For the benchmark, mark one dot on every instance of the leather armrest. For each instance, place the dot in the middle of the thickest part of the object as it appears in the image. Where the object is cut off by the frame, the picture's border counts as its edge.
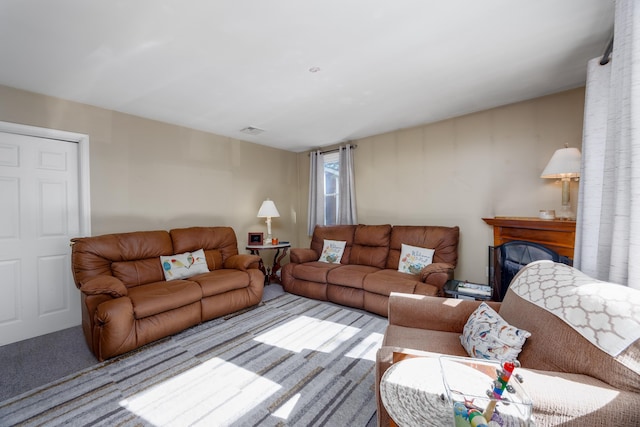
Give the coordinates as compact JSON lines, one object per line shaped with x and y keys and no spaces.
{"x":241,"y":261}
{"x":435,"y":269}
{"x":104,"y":285}
{"x":116,"y":320}
{"x":432,"y":313}
{"x":300,"y":255}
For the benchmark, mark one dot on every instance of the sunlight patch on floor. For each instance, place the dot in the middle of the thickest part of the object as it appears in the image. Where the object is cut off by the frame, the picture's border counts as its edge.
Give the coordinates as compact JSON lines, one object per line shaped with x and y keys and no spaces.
{"x":221,"y":392}
{"x":200,"y":396}
{"x":284,"y":411}
{"x":367,"y":348}
{"x":305,"y":332}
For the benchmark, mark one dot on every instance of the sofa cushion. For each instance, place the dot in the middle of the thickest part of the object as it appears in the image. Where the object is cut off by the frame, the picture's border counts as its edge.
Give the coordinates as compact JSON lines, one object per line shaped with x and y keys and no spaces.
{"x":221,"y":281}
{"x":314,"y":271}
{"x":333,"y":232}
{"x":332,"y":251}
{"x":155,"y":298}
{"x":214,"y":259}
{"x":346,"y":295}
{"x":221,"y":239}
{"x":131,"y":257}
{"x":384,"y":282}
{"x":443,"y":239}
{"x":351,"y":276}
{"x":413,"y":259}
{"x":371,"y":245}
{"x":487,"y":336}
{"x":182,"y":266}
{"x":138,"y":272}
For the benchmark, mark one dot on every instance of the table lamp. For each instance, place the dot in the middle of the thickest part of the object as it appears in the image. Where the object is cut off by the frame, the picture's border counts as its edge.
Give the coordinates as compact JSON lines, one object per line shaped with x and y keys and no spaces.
{"x":564,"y":165}
{"x":268,"y":210}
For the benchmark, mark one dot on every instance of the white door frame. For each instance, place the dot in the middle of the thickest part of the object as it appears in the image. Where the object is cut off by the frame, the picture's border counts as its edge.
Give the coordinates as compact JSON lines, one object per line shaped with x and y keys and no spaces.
{"x":83,"y":164}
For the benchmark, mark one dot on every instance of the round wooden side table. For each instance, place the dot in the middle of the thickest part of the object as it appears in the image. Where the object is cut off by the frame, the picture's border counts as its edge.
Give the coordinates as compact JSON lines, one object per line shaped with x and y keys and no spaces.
{"x":270,"y":273}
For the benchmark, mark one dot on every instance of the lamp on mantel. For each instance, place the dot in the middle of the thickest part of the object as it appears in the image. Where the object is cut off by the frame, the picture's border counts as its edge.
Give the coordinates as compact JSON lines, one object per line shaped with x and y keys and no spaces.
{"x":564,"y":165}
{"x":268,"y":210}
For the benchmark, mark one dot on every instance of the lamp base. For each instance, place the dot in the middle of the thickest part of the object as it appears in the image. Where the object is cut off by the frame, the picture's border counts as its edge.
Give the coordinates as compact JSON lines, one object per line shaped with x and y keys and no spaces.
{"x":566,"y":213}
{"x":269,"y":238}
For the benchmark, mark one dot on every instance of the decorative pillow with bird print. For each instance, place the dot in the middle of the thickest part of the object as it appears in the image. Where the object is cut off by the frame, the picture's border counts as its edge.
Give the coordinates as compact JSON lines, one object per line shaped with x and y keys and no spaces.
{"x":413,"y":259}
{"x":332,"y":251}
{"x":181,"y":266}
{"x":486,"y":335}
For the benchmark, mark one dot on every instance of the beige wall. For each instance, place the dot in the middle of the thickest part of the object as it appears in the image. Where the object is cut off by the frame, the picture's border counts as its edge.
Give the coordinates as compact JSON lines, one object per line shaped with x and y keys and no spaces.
{"x":148,"y":175}
{"x":458,"y":171}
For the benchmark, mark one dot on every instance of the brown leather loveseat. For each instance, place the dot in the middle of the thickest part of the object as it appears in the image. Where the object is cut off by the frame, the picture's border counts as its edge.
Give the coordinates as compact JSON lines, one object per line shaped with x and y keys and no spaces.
{"x":368,"y":270}
{"x":126,"y":301}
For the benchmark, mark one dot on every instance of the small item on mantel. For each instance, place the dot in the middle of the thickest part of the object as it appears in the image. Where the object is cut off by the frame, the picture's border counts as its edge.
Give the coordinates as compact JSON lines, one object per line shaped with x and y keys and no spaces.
{"x":547,"y":214}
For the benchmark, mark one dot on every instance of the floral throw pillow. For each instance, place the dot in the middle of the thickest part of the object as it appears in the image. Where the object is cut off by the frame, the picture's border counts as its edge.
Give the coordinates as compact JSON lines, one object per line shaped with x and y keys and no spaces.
{"x":181,"y":266}
{"x":486,"y":335}
{"x":332,"y":251}
{"x":413,"y":259}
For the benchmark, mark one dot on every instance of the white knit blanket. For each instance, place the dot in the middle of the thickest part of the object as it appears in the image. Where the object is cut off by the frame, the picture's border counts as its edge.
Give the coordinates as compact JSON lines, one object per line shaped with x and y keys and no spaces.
{"x":606,"y":314}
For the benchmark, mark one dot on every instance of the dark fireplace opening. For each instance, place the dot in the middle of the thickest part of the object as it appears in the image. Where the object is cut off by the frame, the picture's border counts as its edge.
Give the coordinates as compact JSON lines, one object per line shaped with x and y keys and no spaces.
{"x":507,"y":259}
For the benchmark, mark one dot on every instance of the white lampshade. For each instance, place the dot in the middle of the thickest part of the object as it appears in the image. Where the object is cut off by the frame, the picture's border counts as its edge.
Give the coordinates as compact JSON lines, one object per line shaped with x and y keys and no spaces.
{"x":268,"y":209}
{"x":565,"y":163}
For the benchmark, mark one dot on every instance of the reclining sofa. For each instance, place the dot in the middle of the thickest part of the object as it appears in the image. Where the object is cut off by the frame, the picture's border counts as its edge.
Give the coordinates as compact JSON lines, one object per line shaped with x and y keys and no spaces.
{"x":581,"y":364}
{"x":127,"y":300}
{"x":368,"y":270}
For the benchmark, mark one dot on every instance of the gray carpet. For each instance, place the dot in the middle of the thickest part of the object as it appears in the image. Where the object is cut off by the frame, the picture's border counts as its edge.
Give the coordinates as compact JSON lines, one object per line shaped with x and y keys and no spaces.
{"x":31,"y":363}
{"x":291,"y":361}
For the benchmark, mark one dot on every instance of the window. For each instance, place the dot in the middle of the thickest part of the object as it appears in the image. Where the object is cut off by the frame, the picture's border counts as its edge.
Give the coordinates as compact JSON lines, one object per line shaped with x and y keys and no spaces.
{"x":331,"y":188}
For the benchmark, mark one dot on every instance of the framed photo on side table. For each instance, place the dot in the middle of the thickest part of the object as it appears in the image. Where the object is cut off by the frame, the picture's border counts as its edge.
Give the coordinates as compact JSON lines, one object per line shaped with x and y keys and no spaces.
{"x":255,"y":239}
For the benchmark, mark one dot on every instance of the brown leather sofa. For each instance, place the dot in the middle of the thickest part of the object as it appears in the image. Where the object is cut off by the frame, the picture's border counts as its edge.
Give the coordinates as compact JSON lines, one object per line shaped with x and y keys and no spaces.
{"x":368,"y":271}
{"x":569,"y":379}
{"x":126,"y":301}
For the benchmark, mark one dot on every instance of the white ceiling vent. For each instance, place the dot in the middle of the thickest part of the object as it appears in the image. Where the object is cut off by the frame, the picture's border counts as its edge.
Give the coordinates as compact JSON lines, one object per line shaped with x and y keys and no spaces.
{"x":250,"y":130}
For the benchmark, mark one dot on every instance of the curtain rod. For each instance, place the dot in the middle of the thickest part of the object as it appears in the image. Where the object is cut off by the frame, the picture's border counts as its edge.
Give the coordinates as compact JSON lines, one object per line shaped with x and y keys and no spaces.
{"x":334,"y":150}
{"x":607,"y":52}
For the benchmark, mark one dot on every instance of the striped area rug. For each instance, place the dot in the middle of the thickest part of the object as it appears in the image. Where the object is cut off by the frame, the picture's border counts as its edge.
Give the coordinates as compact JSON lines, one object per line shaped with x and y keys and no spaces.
{"x":291,"y":361}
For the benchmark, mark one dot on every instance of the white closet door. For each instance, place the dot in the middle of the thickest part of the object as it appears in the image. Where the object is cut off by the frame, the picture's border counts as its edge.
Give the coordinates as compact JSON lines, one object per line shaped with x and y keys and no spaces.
{"x":39,"y":214}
